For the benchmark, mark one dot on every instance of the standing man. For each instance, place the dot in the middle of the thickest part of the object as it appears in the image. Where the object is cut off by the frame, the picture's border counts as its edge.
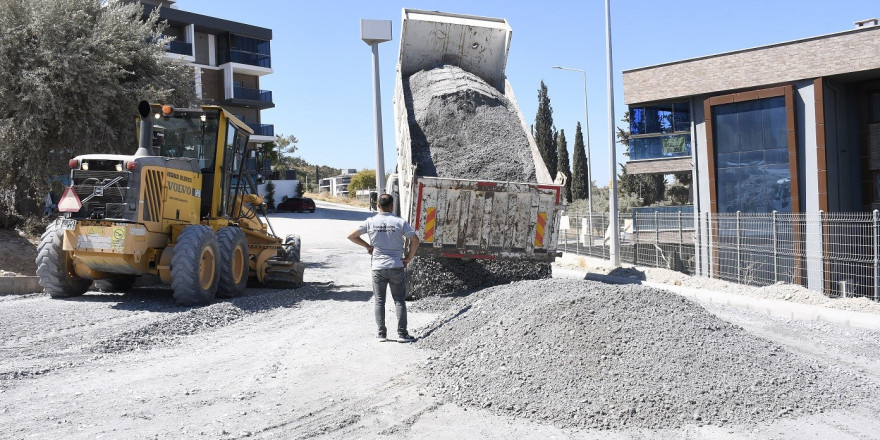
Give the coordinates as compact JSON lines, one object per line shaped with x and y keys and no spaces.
{"x":386,"y":232}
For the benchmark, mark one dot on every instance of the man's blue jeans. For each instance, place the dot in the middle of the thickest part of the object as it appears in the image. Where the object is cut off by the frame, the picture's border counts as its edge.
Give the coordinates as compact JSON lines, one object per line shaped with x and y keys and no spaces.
{"x":394,"y":278}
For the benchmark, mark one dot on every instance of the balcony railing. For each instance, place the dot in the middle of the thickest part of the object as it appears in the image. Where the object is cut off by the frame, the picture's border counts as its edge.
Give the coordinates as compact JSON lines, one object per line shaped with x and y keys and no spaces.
{"x":179,"y":47}
{"x":253,"y":59}
{"x":252,"y":94}
{"x":262,"y":129}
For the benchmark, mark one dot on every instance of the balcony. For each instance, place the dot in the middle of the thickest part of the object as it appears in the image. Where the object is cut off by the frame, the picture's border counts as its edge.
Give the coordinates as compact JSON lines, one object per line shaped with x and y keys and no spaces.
{"x":179,"y":47}
{"x":252,"y":59}
{"x":263,"y":129}
{"x":250,"y":98}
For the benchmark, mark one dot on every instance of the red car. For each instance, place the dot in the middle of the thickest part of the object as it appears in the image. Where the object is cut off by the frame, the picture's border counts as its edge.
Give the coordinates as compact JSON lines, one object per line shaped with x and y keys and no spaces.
{"x":297,"y":204}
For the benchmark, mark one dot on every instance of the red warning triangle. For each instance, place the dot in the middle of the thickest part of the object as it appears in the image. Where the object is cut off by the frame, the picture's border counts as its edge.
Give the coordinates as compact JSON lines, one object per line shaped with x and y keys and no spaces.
{"x":69,"y":201}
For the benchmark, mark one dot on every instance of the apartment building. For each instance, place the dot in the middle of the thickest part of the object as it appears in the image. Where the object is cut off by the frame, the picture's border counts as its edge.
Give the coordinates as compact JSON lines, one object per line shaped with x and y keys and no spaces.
{"x":228,"y":59}
{"x":337,"y":185}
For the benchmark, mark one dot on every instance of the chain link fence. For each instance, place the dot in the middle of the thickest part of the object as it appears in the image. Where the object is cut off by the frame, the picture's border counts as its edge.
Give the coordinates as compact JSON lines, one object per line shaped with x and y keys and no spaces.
{"x":837,"y":254}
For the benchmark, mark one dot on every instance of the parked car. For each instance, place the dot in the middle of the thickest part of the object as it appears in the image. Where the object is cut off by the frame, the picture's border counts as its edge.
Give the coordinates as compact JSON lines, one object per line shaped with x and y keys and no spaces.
{"x":297,"y":204}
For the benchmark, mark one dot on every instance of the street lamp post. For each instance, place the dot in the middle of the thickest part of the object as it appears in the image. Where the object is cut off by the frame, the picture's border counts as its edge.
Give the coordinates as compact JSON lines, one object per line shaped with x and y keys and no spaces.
{"x":589,"y":154}
{"x":613,"y":226}
{"x":374,"y":32}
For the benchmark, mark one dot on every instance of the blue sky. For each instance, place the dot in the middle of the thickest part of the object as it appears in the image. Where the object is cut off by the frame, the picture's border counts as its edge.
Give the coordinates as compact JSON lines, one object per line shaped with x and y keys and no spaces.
{"x":322,"y":84}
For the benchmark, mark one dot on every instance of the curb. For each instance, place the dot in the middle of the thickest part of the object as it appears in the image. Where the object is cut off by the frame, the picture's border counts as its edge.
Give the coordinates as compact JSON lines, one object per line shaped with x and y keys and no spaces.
{"x":773,"y":307}
{"x":19,"y":285}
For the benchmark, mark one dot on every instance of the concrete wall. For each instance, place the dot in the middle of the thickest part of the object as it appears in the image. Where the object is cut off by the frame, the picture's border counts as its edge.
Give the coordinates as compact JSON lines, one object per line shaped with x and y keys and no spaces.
{"x":212,"y":85}
{"x":852,"y":51}
{"x":201,"y":48}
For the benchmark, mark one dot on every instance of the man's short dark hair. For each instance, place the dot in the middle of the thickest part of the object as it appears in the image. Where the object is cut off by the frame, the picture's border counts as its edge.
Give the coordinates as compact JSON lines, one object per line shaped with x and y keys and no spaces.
{"x":386,"y":202}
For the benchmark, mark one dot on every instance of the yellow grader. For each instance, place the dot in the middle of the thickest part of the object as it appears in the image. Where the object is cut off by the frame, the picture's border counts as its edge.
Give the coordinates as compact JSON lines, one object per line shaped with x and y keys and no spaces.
{"x":183,"y":207}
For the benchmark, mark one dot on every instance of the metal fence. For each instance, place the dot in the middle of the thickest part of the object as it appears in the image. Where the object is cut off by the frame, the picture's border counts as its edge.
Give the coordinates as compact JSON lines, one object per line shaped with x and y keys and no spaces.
{"x":837,"y":254}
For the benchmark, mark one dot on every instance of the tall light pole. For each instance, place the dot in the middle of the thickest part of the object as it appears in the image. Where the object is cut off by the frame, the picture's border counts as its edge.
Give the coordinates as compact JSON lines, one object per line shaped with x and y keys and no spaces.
{"x":589,"y":155}
{"x":613,"y":226}
{"x":374,"y":32}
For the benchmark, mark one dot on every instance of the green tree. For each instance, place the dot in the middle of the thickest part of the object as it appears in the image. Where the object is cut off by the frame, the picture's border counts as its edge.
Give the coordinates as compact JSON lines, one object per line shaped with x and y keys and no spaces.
{"x":651,"y":188}
{"x":563,"y":164}
{"x":270,"y":195}
{"x":71,"y":75}
{"x":543,"y":131}
{"x":579,"y":176}
{"x":364,"y":179}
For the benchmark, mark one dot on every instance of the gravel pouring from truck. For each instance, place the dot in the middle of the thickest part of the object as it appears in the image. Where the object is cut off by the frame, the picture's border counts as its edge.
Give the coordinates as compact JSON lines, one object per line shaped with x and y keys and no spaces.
{"x":463,"y":58}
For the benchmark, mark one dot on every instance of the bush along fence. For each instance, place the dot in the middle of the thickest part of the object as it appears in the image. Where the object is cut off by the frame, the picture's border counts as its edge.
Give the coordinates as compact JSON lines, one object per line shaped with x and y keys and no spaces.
{"x":837,"y":254}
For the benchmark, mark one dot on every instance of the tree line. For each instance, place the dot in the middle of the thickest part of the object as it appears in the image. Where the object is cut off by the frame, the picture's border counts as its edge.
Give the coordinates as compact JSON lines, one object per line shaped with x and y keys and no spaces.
{"x":634,"y":190}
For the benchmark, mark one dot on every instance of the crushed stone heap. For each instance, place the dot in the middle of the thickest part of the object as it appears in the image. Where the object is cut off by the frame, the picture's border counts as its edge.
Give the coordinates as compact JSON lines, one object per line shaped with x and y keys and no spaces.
{"x":464,"y":128}
{"x":583,"y":354}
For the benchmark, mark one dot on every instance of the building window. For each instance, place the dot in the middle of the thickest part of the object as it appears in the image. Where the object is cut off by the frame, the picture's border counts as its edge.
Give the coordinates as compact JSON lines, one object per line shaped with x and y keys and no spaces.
{"x":751,"y":150}
{"x":660,"y":131}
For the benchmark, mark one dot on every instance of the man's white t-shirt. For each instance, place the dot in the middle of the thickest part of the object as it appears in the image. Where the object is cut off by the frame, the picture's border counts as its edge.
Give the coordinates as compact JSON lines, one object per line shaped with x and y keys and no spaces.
{"x":386,"y":232}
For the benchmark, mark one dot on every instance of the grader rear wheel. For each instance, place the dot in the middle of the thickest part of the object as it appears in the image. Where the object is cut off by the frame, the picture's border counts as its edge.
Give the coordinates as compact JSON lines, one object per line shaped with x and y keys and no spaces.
{"x":233,"y":262}
{"x":55,"y":268}
{"x":194,"y":272}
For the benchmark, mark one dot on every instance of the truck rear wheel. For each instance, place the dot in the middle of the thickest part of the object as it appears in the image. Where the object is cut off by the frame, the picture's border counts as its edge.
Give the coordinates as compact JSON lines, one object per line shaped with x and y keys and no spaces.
{"x":233,"y":262}
{"x":194,"y":272}
{"x":55,"y":268}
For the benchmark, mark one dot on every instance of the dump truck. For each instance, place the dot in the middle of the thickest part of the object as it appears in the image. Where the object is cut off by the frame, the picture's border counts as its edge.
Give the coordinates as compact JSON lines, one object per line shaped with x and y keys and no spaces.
{"x":459,"y":217}
{"x":183,"y":207}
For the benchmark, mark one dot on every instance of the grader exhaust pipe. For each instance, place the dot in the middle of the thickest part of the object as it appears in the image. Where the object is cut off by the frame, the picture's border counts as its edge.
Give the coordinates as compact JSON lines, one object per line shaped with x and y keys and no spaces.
{"x":145,"y":142}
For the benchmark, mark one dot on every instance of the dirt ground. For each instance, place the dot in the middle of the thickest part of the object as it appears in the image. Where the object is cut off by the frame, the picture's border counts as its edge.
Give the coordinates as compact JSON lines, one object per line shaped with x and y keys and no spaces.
{"x":305,"y":364}
{"x":17,"y":254}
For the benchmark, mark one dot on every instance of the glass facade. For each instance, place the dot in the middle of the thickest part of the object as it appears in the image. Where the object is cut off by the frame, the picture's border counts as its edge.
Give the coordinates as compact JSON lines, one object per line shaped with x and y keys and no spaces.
{"x":751,"y":156}
{"x":660,"y":131}
{"x":245,"y":50}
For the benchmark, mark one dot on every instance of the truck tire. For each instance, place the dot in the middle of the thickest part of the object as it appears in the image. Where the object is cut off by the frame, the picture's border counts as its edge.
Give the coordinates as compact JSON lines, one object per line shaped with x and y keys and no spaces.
{"x":194,"y":266}
{"x":118,"y":284}
{"x":292,"y":247}
{"x":55,"y":268}
{"x":234,"y":260}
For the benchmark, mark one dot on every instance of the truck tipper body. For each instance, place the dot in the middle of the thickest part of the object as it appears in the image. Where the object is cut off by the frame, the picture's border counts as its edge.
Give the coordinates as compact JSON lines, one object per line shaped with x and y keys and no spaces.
{"x":469,"y":218}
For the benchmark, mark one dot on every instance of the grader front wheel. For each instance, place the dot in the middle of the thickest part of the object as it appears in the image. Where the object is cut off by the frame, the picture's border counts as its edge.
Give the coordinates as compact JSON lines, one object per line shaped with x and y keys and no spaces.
{"x":194,"y":271}
{"x":233,"y":262}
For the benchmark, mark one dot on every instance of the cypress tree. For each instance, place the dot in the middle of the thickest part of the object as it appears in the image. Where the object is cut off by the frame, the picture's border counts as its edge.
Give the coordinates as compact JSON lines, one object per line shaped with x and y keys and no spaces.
{"x":579,"y":179}
{"x":544,"y":131}
{"x":562,"y":165}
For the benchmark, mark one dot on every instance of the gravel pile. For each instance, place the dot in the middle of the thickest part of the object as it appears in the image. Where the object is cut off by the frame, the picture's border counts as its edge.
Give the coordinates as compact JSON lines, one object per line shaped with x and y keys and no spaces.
{"x":583,"y":354}
{"x":428,"y":276}
{"x":464,"y":128}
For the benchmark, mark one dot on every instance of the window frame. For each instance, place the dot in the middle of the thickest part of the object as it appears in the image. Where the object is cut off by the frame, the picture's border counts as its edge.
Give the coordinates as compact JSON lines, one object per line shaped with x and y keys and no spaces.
{"x":788,"y":92}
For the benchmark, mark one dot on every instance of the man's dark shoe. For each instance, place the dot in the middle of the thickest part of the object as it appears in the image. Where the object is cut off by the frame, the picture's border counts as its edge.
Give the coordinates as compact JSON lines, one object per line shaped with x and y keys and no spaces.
{"x":382,"y":337}
{"x":405,"y":337}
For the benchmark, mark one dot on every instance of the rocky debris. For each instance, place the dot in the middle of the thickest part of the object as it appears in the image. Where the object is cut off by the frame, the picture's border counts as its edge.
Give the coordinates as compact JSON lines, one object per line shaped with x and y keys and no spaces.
{"x":200,"y":319}
{"x":584,"y":354}
{"x":464,"y":128}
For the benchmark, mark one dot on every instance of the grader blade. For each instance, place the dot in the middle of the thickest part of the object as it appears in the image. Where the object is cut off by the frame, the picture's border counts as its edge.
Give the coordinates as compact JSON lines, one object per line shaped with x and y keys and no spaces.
{"x":284,"y":273}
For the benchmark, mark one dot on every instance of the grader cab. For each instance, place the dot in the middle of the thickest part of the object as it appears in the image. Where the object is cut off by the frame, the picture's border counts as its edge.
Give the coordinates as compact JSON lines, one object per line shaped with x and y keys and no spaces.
{"x":183,"y":207}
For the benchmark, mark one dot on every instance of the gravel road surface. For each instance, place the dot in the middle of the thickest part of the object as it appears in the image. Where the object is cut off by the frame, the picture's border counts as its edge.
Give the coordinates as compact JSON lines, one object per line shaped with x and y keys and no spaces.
{"x":305,"y":363}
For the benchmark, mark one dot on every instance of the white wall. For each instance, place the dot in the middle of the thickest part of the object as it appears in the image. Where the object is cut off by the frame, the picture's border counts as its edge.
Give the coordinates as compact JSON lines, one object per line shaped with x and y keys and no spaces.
{"x":282,"y":188}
